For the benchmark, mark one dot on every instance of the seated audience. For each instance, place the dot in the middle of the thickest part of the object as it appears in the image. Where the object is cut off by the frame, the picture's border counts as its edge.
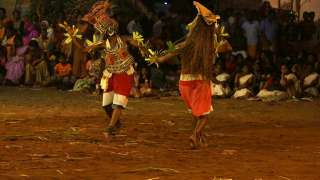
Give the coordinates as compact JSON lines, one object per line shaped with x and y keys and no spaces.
{"x":15,"y":65}
{"x":311,"y":82}
{"x":220,"y":84}
{"x":290,"y":82}
{"x":243,"y":83}
{"x":36,"y":69}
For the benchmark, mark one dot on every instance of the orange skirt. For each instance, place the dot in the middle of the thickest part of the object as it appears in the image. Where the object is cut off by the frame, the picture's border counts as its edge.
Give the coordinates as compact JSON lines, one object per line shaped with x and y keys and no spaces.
{"x":197,"y":96}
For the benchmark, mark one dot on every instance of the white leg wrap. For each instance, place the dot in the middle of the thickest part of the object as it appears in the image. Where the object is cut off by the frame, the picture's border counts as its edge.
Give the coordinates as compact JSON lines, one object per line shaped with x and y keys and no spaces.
{"x":107,"y":98}
{"x":120,"y":100}
{"x":114,"y":99}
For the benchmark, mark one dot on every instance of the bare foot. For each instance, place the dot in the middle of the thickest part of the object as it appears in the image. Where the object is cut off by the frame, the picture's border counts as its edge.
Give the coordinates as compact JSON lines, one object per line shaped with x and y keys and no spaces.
{"x":193,"y":142}
{"x":110,"y":132}
{"x":107,"y":136}
{"x":118,"y":124}
{"x":203,"y":141}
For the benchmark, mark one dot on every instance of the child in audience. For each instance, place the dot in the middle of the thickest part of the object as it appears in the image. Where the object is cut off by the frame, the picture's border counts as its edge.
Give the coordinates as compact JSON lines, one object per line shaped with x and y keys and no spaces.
{"x":145,"y":84}
{"x":94,"y":67}
{"x":63,"y":72}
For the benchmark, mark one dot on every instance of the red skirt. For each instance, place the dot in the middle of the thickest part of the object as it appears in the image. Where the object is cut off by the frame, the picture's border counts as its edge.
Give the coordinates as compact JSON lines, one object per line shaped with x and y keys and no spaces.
{"x":120,"y":84}
{"x":197,"y":96}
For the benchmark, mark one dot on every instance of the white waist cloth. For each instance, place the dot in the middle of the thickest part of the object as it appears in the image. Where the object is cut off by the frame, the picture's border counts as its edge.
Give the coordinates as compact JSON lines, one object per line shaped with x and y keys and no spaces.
{"x":190,"y":77}
{"x":268,"y":96}
{"x":223,"y":77}
{"x":220,"y":90}
{"x":244,"y":79}
{"x":242,"y":93}
{"x":291,"y":77}
{"x":310,"y":79}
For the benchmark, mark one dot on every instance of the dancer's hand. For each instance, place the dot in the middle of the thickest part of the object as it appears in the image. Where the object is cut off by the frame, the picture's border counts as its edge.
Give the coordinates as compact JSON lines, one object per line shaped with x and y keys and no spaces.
{"x":153,"y":60}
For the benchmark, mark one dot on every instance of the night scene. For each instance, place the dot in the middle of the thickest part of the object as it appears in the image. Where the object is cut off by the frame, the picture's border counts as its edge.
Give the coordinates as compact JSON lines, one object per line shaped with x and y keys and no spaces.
{"x":160,"y":89}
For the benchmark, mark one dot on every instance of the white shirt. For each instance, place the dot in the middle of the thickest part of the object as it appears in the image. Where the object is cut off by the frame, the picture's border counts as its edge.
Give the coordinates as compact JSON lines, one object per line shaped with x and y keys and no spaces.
{"x":251,"y":30}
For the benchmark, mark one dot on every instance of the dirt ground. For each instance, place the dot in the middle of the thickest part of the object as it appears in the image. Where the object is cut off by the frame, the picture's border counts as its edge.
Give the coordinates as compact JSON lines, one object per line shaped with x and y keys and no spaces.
{"x":49,"y":134}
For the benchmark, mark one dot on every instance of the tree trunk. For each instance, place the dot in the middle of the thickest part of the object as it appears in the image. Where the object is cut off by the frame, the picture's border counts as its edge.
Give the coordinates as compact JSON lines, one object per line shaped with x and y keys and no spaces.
{"x":291,"y":5}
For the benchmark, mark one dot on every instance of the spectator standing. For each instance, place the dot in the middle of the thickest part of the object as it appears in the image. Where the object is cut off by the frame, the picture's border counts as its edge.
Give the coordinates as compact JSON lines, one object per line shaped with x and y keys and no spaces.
{"x":307,"y":26}
{"x":307,"y":31}
{"x":158,"y":25}
{"x":269,"y":32}
{"x":238,"y":39}
{"x":251,"y":31}
{"x":134,"y":26}
{"x":18,"y":22}
{"x":31,"y":31}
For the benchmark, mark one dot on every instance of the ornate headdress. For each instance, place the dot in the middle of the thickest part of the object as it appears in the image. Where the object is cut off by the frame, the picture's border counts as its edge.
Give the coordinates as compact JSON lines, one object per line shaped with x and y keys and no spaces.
{"x":220,"y":44}
{"x":206,"y":14}
{"x":98,"y":9}
{"x":98,"y":17}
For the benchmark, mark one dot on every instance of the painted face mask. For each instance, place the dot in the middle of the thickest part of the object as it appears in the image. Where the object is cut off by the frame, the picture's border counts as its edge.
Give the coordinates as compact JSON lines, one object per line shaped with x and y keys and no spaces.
{"x":111,"y":31}
{"x":112,"y":28}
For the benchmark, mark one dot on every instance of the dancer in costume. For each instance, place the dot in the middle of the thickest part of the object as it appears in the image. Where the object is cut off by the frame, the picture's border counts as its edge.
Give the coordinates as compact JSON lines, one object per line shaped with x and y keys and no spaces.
{"x":117,"y":78}
{"x":197,"y":53}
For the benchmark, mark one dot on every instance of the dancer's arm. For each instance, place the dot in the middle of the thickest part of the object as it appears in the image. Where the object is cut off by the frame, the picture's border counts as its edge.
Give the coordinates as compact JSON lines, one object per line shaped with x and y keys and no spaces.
{"x":94,"y":47}
{"x":135,"y":44}
{"x":171,"y":54}
{"x":76,"y":42}
{"x":167,"y":57}
{"x":129,"y":40}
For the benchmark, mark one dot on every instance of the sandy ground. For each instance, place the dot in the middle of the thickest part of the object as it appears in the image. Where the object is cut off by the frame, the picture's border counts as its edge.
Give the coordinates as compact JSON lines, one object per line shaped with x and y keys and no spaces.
{"x":48,"y":134}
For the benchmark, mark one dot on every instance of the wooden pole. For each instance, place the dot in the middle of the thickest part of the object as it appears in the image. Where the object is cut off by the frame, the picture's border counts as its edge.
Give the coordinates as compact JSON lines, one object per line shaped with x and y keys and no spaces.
{"x":15,"y":5}
{"x":298,"y":8}
{"x":279,"y":4}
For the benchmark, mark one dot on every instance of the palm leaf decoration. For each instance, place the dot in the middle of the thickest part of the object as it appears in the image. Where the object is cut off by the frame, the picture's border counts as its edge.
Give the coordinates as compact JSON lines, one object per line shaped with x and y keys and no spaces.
{"x":219,"y":40}
{"x":154,"y":55}
{"x":136,"y":36}
{"x":150,"y":55}
{"x":91,"y":45}
{"x":71,"y":32}
{"x":144,"y":47}
{"x":171,"y":47}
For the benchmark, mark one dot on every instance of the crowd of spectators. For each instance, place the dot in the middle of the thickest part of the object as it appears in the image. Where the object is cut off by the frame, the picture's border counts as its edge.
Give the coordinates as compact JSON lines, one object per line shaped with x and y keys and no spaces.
{"x":274,"y":54}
